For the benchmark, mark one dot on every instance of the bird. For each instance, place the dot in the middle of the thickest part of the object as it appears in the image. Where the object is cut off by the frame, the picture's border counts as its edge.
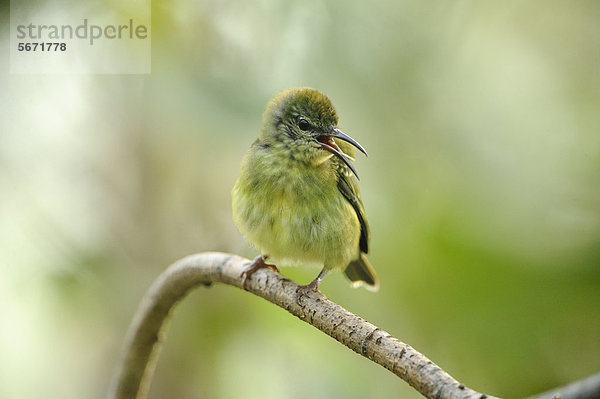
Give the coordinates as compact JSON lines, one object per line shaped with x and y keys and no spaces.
{"x":297,"y":198}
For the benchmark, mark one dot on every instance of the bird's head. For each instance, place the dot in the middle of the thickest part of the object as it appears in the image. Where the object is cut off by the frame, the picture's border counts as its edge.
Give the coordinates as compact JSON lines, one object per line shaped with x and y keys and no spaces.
{"x":305,"y":122}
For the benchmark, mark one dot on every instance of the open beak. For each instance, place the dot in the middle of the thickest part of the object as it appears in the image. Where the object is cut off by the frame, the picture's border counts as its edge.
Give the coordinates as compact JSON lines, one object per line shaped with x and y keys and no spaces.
{"x":328,"y":144}
{"x":338,"y":134}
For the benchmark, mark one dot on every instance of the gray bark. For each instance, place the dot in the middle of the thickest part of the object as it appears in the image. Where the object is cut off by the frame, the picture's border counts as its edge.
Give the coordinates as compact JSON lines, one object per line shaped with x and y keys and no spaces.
{"x":148,"y":328}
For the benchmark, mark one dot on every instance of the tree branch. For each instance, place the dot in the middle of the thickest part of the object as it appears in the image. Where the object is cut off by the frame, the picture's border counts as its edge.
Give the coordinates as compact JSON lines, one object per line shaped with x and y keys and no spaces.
{"x":148,"y":328}
{"x":587,"y":388}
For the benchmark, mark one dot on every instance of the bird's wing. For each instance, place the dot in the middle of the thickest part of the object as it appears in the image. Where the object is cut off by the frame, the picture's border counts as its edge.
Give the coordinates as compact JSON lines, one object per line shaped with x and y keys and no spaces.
{"x":348,"y":186}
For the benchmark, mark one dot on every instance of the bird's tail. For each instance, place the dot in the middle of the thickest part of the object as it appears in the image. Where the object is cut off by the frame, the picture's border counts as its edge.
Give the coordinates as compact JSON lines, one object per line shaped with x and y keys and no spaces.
{"x":360,"y":272}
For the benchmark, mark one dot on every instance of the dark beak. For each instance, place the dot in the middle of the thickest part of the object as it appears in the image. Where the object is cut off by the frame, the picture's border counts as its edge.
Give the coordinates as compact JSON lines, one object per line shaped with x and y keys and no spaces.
{"x":328,"y":144}
{"x":338,"y":134}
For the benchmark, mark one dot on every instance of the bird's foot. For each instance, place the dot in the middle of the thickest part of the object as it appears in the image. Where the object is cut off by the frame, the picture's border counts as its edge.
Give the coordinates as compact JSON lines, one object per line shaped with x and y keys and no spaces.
{"x":313,"y":286}
{"x":257,"y":264}
{"x":303,"y":290}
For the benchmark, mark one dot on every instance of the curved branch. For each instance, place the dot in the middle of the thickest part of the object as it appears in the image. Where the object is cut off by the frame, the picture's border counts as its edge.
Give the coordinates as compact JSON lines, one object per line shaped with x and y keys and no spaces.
{"x":148,"y":328}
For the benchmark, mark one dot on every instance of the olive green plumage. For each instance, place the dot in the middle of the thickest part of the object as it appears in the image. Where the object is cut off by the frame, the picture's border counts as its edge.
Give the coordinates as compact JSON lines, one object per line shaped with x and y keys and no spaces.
{"x":297,"y":199}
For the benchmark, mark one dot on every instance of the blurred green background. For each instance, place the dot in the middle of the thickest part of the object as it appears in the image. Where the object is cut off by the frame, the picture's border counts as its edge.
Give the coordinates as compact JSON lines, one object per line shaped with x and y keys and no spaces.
{"x":482,"y":188}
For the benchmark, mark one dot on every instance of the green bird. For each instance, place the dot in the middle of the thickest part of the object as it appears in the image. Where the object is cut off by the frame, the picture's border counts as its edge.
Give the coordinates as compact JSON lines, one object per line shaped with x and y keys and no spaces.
{"x":297,"y":198}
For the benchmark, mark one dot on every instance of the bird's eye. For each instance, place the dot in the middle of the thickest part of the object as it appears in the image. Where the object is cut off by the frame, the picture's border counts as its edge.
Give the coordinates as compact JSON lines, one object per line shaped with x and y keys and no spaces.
{"x":303,"y":124}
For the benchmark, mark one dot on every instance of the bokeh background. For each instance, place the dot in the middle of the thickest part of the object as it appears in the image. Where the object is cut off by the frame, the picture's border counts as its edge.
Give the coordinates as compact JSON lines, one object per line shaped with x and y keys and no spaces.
{"x":482,"y":188}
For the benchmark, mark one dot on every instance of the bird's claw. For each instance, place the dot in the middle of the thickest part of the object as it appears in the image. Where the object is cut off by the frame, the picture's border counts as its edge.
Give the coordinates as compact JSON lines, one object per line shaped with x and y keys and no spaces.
{"x":313,"y":286}
{"x":257,"y":264}
{"x":304,"y":290}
